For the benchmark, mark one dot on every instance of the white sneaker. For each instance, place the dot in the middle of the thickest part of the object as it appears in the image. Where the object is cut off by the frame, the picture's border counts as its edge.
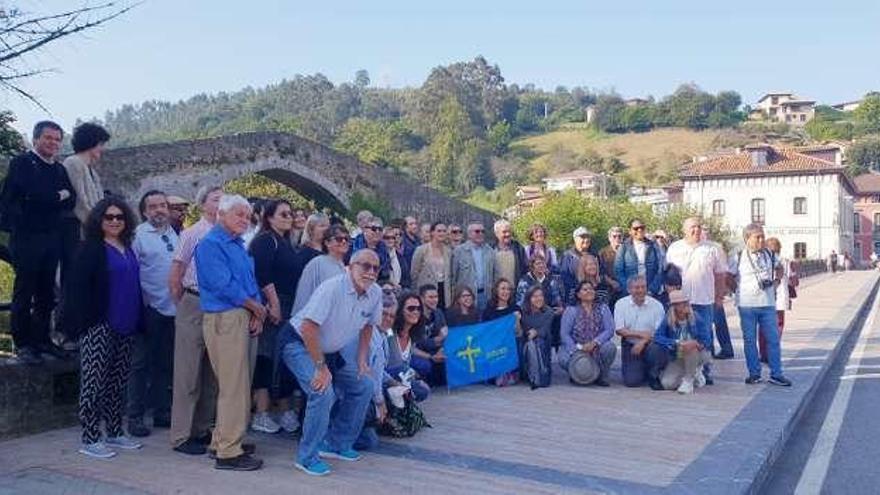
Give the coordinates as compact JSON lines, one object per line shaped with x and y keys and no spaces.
{"x":124,"y":442}
{"x":264,"y":423}
{"x":288,"y":421}
{"x":97,"y":449}
{"x":699,"y":379}
{"x":687,"y":386}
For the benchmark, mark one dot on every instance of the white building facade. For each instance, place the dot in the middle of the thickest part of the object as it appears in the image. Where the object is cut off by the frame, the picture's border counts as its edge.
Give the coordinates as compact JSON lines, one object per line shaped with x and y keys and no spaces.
{"x":804,"y":201}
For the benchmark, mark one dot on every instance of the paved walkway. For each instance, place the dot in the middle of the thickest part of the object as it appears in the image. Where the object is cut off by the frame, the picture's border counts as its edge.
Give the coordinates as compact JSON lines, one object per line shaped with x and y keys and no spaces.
{"x":557,"y":440}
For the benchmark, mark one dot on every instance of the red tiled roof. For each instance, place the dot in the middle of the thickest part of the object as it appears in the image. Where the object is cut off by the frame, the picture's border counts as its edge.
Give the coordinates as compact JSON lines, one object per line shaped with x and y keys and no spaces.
{"x":779,"y":161}
{"x":867,"y":183}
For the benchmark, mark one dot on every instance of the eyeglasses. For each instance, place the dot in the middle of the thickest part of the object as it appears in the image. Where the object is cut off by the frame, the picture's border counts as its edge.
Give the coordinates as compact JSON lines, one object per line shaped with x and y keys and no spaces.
{"x":413,"y":309}
{"x":616,"y":236}
{"x":167,"y":242}
{"x":389,"y":237}
{"x":455,"y":231}
{"x":368,"y":267}
{"x":109,"y":217}
{"x":639,"y":227}
{"x":478,"y":231}
{"x":467,"y":294}
{"x":285,"y":214}
{"x":374,"y":228}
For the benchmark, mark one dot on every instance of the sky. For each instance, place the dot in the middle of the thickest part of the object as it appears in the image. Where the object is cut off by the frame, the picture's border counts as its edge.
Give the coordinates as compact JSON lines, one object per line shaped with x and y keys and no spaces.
{"x":173,"y":49}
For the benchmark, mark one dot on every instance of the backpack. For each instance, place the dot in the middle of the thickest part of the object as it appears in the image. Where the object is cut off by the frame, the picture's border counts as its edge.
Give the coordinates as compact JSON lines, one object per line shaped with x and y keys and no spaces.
{"x":403,"y":422}
{"x":537,"y":364}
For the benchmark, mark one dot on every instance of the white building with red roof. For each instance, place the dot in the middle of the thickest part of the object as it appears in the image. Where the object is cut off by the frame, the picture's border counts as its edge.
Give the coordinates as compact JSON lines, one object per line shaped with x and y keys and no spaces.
{"x":800,"y":195}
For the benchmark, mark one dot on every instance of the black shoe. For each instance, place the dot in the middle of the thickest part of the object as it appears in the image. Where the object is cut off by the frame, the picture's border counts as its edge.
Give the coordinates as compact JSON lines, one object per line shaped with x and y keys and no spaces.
{"x":780,"y":381}
{"x":721,"y":356}
{"x":244,"y":462}
{"x":754,"y":379}
{"x":191,"y":447}
{"x":601,"y":383}
{"x":28,"y":356}
{"x":137,"y":428}
{"x":204,"y":439}
{"x":161,"y":422}
{"x":655,"y":384}
{"x":709,"y":379}
{"x":248,"y":448}
{"x":54,"y":351}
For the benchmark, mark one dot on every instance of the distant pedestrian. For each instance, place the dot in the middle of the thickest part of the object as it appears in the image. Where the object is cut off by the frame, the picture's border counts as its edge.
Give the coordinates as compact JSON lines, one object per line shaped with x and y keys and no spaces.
{"x":833,"y":261}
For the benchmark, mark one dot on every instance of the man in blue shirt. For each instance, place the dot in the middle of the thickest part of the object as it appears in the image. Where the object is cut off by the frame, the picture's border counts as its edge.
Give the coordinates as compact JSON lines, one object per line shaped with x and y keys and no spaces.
{"x":342,"y":309}
{"x":149,"y":384}
{"x":234,"y":316}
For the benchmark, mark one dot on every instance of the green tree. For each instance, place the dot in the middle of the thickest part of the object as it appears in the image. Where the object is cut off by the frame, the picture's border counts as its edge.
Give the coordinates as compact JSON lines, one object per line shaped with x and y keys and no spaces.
{"x":375,"y":142}
{"x":610,"y":111}
{"x":863,"y":156}
{"x":11,"y":142}
{"x":450,"y":144}
{"x":867,"y":115}
{"x":499,"y":137}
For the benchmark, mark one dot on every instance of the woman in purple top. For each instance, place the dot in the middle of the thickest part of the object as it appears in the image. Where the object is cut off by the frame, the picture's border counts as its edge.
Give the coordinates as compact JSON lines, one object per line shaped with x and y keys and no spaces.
{"x":588,"y":327}
{"x":103,"y":309}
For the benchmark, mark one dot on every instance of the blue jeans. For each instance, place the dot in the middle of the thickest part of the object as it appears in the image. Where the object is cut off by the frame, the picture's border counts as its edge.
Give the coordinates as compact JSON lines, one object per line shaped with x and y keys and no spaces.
{"x":343,"y":430}
{"x":722,"y":332}
{"x":763,"y":318}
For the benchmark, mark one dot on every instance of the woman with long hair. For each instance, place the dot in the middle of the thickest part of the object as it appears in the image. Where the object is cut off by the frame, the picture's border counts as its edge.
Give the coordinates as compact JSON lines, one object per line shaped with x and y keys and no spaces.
{"x":588,"y":328}
{"x":680,"y":348}
{"x":537,"y":327}
{"x":277,"y":271}
{"x":464,"y":309}
{"x":432,"y":264}
{"x":311,"y":241}
{"x":588,"y":271}
{"x":103,"y":309}
{"x":502,"y":304}
{"x":409,"y":328}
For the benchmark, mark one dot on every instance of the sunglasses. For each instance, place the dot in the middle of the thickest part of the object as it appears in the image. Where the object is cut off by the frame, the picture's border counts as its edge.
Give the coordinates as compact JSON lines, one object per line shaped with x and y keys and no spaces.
{"x":368,"y":267}
{"x":413,"y":309}
{"x":110,"y":217}
{"x":167,"y":242}
{"x":640,"y":227}
{"x":478,"y":231}
{"x":455,"y":231}
{"x":389,"y":237}
{"x":467,"y":294}
{"x":341,"y":239}
{"x":285,"y":214}
{"x":374,"y":228}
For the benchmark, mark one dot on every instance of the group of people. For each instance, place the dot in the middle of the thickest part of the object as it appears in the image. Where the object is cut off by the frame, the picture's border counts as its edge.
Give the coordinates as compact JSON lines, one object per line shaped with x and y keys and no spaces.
{"x":265,"y":315}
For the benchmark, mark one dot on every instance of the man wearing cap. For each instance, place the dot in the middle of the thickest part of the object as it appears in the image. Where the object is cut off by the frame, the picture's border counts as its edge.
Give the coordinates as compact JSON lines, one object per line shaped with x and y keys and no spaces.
{"x":680,"y":349}
{"x":571,"y":259}
{"x":639,"y":256}
{"x":636,"y":318}
{"x":703,"y":267}
{"x":473,"y":264}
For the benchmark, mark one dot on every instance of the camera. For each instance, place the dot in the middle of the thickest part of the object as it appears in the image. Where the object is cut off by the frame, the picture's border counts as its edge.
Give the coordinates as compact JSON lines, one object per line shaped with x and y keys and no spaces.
{"x":766,"y":284}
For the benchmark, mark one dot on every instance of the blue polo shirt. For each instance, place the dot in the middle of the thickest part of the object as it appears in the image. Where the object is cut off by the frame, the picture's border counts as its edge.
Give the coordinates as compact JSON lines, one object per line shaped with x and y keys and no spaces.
{"x":225,"y":272}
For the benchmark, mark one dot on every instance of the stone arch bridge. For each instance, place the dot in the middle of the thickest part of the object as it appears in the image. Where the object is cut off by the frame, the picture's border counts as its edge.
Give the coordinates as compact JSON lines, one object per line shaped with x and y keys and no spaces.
{"x":329,"y":178}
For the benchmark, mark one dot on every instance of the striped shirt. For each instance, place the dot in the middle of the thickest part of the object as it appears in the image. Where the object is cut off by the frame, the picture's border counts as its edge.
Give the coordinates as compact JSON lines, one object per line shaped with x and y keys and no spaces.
{"x":189,"y":239}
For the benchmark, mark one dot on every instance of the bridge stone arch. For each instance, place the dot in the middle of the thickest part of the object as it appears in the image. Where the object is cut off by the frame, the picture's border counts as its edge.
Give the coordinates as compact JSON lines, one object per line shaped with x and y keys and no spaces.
{"x":317,"y":172}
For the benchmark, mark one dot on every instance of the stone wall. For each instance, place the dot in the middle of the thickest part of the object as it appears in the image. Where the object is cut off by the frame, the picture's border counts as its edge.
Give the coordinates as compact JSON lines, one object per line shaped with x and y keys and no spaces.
{"x":319,"y":173}
{"x":38,"y":398}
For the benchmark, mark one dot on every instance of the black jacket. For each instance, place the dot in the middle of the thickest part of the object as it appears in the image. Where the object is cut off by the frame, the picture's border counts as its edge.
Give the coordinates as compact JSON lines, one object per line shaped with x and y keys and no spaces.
{"x":29,"y":200}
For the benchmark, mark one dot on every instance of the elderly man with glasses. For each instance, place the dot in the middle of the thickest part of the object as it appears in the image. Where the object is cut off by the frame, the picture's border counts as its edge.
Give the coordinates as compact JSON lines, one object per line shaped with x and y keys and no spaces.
{"x":150,"y":383}
{"x":344,"y":308}
{"x":473,"y":265}
{"x":371,"y":238}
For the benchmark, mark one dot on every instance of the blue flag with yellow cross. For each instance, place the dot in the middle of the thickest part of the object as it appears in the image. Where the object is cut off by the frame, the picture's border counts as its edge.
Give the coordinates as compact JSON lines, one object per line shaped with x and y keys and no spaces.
{"x":476,"y":353}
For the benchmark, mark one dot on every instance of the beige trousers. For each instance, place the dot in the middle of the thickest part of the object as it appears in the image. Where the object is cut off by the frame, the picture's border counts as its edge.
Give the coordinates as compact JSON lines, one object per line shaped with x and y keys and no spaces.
{"x":231,"y":350}
{"x":687,"y":366}
{"x":194,"y":394}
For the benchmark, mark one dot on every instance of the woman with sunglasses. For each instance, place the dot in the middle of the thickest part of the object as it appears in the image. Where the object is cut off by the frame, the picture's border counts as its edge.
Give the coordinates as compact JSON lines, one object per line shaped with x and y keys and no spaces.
{"x":409,"y":327}
{"x":277,"y":271}
{"x":336,"y":243}
{"x":464,"y":308}
{"x":432,"y":264}
{"x":103,"y":309}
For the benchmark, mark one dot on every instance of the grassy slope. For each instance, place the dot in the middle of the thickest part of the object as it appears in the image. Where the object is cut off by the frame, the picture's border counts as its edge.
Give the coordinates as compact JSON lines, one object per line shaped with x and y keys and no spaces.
{"x":663,"y":147}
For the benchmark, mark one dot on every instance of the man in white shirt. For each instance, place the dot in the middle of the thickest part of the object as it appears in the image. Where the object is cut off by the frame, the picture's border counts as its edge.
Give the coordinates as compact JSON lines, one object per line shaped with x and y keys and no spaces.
{"x":703,"y":267}
{"x":759,"y":274}
{"x":636,"y":318}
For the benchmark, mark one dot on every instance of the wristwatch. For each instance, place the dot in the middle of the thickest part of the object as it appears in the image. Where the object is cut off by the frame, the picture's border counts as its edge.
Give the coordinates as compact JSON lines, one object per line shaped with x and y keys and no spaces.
{"x":580,"y":347}
{"x":320,"y":363}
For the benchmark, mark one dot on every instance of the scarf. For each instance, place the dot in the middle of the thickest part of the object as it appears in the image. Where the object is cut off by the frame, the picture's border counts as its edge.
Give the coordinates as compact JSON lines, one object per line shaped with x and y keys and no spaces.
{"x":587,"y":325}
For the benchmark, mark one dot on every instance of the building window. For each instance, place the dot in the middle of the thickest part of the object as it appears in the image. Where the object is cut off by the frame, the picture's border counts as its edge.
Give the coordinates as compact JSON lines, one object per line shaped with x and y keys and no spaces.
{"x":857,"y":250}
{"x":758,"y":211}
{"x":800,"y":206}
{"x":857,"y":223}
{"x":718,"y":208}
{"x":774,"y":100}
{"x":803,"y":118}
{"x":800,"y":250}
{"x":876,"y":227}
{"x":788,"y":118}
{"x":875,"y":198}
